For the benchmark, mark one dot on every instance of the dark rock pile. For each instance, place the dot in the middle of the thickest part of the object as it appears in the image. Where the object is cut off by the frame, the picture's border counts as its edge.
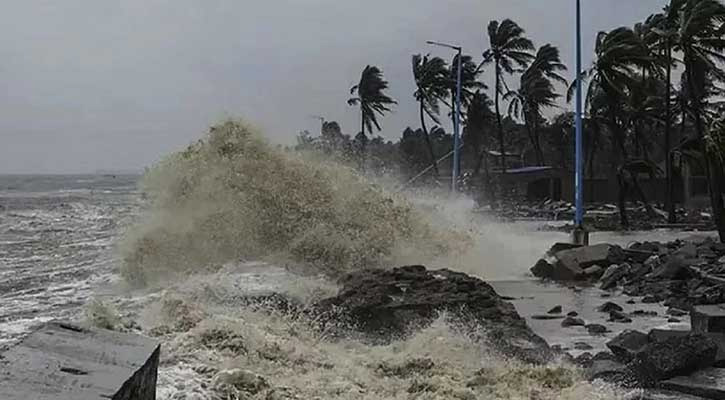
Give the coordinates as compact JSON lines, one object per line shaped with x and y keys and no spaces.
{"x":679,"y":273}
{"x":386,"y":304}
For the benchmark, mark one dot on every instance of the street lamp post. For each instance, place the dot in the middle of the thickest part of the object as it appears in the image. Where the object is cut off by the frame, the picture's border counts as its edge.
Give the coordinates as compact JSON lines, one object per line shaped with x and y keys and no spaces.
{"x":456,"y":114}
{"x":579,"y":235}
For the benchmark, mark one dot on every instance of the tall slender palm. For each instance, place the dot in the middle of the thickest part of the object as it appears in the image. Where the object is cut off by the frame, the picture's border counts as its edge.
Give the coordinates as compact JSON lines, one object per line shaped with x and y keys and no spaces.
{"x":619,"y":56}
{"x":509,"y":48}
{"x":431,"y":80}
{"x":479,"y":119}
{"x":469,"y":84}
{"x":372,"y":101}
{"x":665,"y":26}
{"x":700,"y":40}
{"x":537,"y":92}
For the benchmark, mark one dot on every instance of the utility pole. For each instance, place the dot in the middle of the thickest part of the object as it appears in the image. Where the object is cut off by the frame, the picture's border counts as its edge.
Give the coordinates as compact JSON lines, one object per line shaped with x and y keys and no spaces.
{"x":579,"y":235}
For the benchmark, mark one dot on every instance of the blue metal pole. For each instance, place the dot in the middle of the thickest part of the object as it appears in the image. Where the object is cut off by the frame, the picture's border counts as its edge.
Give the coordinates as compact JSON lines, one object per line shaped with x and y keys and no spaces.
{"x":457,"y":125}
{"x":578,"y":184}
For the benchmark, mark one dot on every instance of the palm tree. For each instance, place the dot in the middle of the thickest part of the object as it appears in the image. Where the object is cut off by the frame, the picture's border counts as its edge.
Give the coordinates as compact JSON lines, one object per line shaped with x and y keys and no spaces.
{"x":372,"y":100}
{"x":509,"y":48}
{"x":431,"y":80}
{"x":536,"y":92}
{"x":479,"y":118}
{"x":664,"y":26}
{"x":700,"y":39}
{"x":619,"y":55}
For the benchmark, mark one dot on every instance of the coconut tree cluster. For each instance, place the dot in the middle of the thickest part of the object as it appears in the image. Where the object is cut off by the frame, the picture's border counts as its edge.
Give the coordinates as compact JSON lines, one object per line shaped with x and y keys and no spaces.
{"x":653,"y":99}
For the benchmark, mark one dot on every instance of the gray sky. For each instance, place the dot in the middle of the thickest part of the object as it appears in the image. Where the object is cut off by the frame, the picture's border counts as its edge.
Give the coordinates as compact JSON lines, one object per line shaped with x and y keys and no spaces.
{"x":99,"y":84}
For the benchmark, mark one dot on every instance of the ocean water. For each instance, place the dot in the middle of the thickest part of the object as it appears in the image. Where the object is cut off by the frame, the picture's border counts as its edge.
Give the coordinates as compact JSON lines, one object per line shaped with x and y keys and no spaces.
{"x":56,"y":239}
{"x":57,"y":252}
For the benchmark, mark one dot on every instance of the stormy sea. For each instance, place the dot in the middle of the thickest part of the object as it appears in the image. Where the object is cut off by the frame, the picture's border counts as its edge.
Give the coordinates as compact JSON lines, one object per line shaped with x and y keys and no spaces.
{"x":174,"y":253}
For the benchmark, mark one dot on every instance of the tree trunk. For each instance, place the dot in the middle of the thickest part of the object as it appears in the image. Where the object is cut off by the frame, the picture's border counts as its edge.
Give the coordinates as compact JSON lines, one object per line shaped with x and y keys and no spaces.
{"x":530,"y":132}
{"x":498,"y":120}
{"x":433,"y":160}
{"x":713,"y":169}
{"x":670,"y":198}
{"x":362,"y":140}
{"x":619,"y":158}
{"x":537,"y":145}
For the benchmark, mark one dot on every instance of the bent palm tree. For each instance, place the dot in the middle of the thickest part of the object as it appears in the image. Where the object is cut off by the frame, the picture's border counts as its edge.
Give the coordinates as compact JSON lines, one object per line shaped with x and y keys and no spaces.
{"x":430,"y":76}
{"x":536,"y":92}
{"x":508,"y":48}
{"x":700,"y":39}
{"x":619,"y":55}
{"x":372,"y":100}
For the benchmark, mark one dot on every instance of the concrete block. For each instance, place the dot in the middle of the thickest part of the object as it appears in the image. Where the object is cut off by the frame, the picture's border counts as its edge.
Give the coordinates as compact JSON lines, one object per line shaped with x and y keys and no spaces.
{"x":62,"y":361}
{"x":708,"y":383}
{"x":709,"y":318}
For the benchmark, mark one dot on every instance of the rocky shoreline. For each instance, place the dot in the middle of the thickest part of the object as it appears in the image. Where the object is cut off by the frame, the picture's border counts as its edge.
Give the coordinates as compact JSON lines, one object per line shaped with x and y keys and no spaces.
{"x":686,"y":277}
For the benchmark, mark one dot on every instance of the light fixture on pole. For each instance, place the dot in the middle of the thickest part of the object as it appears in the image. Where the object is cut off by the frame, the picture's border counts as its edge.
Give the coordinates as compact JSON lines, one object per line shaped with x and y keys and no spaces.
{"x":456,"y":113}
{"x":579,"y":235}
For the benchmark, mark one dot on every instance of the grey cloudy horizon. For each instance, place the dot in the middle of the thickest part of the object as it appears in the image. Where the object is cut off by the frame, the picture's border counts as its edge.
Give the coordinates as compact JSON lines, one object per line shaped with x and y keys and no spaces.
{"x":90,"y":85}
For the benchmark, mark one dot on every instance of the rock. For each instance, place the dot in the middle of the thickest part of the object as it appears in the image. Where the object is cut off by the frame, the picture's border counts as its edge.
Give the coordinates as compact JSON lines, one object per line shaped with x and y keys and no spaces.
{"x":653,"y":262}
{"x":593,"y":272}
{"x":607,"y":371}
{"x":543,"y":269}
{"x":545,"y":317}
{"x":618,"y":316}
{"x":689,"y":250}
{"x":612,"y":276}
{"x":609,"y":307}
{"x":240,"y":379}
{"x":570,"y":263}
{"x":555,"y":310}
{"x":386,"y":304}
{"x":62,"y":360}
{"x":605,"y":295}
{"x":596,"y":329}
{"x":572,"y":314}
{"x":571,"y":321}
{"x":631,"y":301}
{"x":583,"y":360}
{"x":582,"y":346}
{"x":708,"y":318}
{"x":650,"y":299}
{"x":627,"y":344}
{"x":644,"y":313}
{"x":708,"y":383}
{"x":561,"y":246}
{"x":676,"y":312}
{"x":675,"y":268}
{"x":721,"y":260}
{"x":675,"y":356}
{"x":673,"y":320}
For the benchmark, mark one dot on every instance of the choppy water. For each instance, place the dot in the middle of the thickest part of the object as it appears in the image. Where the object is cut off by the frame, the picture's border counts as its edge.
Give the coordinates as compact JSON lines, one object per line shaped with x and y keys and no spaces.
{"x":57,"y":236}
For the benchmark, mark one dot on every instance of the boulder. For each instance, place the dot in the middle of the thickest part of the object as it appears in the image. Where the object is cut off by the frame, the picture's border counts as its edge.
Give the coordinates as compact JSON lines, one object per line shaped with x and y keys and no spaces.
{"x":596,"y":329}
{"x":627,"y":344}
{"x":572,"y":321}
{"x":708,"y":318}
{"x":675,"y":268}
{"x":676,"y":312}
{"x":571,"y":263}
{"x":555,"y":310}
{"x":675,"y":356}
{"x":613,"y":274}
{"x":708,"y":383}
{"x":387,"y":304}
{"x":661,"y":335}
{"x":608,"y":371}
{"x":609,"y":307}
{"x":593,"y":272}
{"x":543,"y":269}
{"x":618,"y":316}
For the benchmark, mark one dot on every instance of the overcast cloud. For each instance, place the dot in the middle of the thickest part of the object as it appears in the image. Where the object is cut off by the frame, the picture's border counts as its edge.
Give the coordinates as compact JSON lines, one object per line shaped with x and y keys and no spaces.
{"x":100,"y":84}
